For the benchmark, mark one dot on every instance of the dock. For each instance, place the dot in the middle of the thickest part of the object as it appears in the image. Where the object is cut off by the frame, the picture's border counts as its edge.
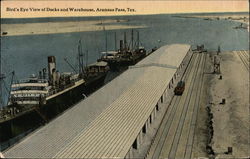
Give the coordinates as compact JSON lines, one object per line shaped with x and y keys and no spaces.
{"x":114,"y":121}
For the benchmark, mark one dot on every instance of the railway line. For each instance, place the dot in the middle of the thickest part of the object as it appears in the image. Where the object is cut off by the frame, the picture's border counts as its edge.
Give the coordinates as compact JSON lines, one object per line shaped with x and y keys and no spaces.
{"x":175,"y":136}
{"x":244,"y":57}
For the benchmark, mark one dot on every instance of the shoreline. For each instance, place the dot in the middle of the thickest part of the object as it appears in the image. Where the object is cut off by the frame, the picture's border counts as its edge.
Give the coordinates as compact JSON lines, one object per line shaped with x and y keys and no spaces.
{"x":241,"y":18}
{"x":63,"y":27}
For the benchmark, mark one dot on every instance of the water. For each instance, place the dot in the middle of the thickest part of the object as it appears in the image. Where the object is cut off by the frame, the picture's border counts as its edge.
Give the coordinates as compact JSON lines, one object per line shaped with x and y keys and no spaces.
{"x":27,"y":55}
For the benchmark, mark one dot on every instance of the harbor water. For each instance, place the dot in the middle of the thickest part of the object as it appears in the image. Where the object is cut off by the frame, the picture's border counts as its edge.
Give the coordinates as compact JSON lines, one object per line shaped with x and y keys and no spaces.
{"x":27,"y":54}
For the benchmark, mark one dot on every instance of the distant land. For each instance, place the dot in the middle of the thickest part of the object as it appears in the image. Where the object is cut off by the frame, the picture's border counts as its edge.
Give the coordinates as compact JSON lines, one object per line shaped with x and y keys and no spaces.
{"x":77,"y":18}
{"x":52,"y":25}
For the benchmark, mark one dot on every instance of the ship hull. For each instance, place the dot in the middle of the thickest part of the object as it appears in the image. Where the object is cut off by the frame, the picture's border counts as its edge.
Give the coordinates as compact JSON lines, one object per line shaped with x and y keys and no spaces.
{"x":122,"y":64}
{"x":52,"y":108}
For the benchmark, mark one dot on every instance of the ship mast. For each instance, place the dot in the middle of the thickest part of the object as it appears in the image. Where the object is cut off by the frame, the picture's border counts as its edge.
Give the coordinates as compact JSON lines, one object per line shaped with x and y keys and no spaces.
{"x":86,"y":57}
{"x":132,"y":40}
{"x":106,"y":39}
{"x":115,"y":42}
{"x":125,"y":42}
{"x":1,"y":82}
{"x":138,"y":40}
{"x":80,"y":58}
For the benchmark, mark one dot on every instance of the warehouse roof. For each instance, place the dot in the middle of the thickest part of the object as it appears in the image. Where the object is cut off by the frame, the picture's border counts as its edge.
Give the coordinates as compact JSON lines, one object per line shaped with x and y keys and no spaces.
{"x":107,"y":122}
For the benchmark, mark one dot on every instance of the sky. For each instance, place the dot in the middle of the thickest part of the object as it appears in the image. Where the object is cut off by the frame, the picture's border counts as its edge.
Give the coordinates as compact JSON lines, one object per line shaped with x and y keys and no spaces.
{"x":23,"y":9}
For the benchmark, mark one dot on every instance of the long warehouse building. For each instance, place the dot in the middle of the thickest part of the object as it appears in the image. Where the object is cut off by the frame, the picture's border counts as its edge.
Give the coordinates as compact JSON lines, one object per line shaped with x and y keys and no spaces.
{"x":111,"y":122}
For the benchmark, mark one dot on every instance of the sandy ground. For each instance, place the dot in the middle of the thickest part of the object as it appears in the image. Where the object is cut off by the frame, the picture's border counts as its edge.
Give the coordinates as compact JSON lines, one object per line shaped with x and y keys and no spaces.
{"x":231,"y":120}
{"x":242,"y":18}
{"x":61,"y":27}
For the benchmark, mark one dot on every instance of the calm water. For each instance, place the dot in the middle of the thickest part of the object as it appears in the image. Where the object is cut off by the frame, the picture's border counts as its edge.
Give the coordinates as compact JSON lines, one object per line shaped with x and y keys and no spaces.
{"x":27,"y":55}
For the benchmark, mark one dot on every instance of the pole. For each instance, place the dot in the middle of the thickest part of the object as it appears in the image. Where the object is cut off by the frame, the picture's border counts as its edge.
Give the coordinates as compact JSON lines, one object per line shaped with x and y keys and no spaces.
{"x":138,"y":40}
{"x":125,"y":42}
{"x":87,"y":54}
{"x":218,"y":50}
{"x":79,"y":57}
{"x":1,"y":82}
{"x":106,"y":40}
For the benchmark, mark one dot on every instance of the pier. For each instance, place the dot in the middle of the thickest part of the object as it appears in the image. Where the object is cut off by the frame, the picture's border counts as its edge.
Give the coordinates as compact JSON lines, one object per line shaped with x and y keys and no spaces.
{"x":117,"y":119}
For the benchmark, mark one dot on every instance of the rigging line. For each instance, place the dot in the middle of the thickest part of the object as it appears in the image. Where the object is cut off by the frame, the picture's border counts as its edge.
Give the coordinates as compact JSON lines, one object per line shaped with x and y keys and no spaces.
{"x":129,"y":45}
{"x":5,"y":86}
{"x":9,"y":93}
{"x":7,"y":74}
{"x":7,"y":90}
{"x":15,"y":79}
{"x":4,"y":65}
{"x":76,"y":58}
{"x":71,"y":66}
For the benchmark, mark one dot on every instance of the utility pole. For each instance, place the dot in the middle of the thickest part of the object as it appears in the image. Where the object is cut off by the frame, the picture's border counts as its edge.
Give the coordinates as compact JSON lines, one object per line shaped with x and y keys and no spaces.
{"x":218,"y":50}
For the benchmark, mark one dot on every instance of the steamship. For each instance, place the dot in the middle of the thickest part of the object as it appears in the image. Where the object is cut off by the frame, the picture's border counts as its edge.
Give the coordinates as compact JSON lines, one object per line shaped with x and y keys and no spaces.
{"x":126,"y":55}
{"x":60,"y":89}
{"x":38,"y":99}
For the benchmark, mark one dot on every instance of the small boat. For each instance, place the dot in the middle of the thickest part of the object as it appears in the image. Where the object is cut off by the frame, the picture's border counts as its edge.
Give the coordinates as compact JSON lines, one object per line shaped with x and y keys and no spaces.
{"x":4,"y":33}
{"x":241,"y":26}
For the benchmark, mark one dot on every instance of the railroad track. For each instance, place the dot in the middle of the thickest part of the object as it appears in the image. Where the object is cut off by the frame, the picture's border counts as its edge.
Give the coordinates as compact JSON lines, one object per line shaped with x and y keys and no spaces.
{"x":245,"y":53}
{"x":190,"y":140}
{"x":172,"y":142}
{"x":244,"y":57}
{"x":191,"y":102}
{"x":157,"y":142}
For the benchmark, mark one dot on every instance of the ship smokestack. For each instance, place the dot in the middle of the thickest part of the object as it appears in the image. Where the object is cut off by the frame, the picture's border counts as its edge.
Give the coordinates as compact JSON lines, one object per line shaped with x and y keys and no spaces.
{"x":121,"y":45}
{"x":51,"y":67}
{"x":44,"y":73}
{"x":40,"y":75}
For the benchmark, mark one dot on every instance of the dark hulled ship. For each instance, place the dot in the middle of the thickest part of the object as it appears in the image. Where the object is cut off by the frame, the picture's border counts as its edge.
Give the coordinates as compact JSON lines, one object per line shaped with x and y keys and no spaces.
{"x":38,"y":99}
{"x":126,"y":55}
